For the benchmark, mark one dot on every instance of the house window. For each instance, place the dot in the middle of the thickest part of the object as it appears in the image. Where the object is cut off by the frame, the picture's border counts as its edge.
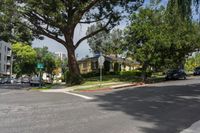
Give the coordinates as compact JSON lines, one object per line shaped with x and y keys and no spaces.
{"x":94,"y":65}
{"x":85,"y":65}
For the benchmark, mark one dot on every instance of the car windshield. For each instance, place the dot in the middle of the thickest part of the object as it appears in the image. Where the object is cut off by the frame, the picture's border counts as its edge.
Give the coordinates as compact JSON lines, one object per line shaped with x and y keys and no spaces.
{"x":35,"y":78}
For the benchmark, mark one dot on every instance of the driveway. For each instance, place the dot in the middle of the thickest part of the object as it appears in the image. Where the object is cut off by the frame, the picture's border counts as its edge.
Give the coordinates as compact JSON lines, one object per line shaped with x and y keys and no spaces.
{"x":169,"y":107}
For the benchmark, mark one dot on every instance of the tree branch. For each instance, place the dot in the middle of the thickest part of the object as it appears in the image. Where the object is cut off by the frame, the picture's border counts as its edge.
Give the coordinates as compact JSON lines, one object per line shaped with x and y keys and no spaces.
{"x":43,"y":19}
{"x":93,"y":21}
{"x":89,"y":6}
{"x":93,"y":33}
{"x":80,"y":12}
{"x":43,"y":31}
{"x":49,"y":34}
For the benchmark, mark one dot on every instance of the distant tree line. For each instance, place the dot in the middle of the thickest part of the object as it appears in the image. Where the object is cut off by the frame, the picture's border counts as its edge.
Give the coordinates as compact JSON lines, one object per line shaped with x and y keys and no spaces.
{"x":26,"y":58}
{"x":159,"y":38}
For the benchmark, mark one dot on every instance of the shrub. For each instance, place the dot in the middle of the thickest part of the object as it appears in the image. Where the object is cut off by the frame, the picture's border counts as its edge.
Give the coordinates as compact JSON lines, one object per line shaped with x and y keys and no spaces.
{"x":135,"y":73}
{"x":131,"y":73}
{"x":90,"y":74}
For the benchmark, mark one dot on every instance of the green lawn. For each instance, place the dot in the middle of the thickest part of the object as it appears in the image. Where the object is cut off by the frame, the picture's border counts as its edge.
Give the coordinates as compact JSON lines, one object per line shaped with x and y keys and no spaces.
{"x":93,"y":83}
{"x":111,"y":78}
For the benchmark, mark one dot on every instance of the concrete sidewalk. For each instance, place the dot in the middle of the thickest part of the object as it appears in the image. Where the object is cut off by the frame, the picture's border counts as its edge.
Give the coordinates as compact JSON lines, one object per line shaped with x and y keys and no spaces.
{"x":111,"y":85}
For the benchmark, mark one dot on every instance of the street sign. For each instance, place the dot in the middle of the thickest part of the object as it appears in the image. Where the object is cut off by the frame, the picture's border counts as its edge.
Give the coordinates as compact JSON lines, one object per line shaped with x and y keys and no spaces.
{"x":40,"y":66}
{"x":101,"y":61}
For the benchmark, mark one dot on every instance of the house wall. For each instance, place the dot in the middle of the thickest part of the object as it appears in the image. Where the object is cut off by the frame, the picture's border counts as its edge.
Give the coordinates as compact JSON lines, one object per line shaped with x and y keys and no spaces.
{"x":5,"y":58}
{"x":85,"y":67}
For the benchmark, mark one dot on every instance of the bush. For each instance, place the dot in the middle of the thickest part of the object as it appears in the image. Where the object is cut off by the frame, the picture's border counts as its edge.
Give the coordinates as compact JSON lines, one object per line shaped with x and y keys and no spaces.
{"x":131,"y":73}
{"x":128,"y":74}
{"x":135,"y":73}
{"x":114,"y":73}
{"x":149,"y":73}
{"x":90,"y":74}
{"x":66,"y":76}
{"x":73,"y":80}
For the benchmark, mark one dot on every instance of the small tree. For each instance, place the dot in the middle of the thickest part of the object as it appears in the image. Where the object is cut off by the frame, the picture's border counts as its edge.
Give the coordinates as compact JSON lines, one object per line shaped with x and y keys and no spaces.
{"x":47,"y":58}
{"x":106,"y":43}
{"x":24,"y":59}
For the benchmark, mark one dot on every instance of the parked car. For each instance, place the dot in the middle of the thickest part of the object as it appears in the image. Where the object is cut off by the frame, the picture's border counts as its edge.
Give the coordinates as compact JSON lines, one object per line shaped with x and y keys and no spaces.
{"x":18,"y":80}
{"x":175,"y":74}
{"x":48,"y":80}
{"x":2,"y":81}
{"x":5,"y":80}
{"x":25,"y":80}
{"x":35,"y":81}
{"x":196,"y":71}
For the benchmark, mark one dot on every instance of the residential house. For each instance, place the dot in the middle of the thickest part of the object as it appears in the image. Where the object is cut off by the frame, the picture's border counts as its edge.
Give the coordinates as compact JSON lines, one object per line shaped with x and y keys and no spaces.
{"x":111,"y":64}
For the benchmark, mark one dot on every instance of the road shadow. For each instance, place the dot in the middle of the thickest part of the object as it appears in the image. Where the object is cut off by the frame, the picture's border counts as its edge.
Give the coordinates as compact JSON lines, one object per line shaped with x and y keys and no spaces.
{"x":14,"y":86}
{"x":170,"y":108}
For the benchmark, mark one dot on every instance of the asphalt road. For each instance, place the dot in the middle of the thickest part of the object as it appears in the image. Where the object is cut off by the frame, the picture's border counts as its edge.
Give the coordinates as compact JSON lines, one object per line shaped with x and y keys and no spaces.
{"x":168,"y":107}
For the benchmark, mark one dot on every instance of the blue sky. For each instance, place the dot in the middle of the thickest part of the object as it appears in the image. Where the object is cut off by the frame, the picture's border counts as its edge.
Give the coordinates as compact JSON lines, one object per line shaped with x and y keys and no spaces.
{"x":80,"y":31}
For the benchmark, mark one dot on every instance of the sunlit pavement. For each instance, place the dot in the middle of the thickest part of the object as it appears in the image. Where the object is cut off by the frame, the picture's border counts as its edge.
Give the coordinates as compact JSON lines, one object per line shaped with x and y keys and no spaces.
{"x":169,"y":107}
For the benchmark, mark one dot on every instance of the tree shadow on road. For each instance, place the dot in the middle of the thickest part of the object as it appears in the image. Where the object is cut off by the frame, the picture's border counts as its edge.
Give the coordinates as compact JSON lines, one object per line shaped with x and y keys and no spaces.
{"x":14,"y":86}
{"x":170,"y":108}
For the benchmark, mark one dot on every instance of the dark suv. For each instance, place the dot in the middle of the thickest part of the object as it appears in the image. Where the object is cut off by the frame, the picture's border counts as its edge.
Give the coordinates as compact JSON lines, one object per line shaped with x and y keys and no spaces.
{"x":175,"y":74}
{"x":196,"y":71}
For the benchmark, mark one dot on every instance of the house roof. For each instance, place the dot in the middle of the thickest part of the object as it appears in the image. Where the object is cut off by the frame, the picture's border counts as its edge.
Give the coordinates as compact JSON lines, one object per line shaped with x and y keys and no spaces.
{"x":110,"y":58}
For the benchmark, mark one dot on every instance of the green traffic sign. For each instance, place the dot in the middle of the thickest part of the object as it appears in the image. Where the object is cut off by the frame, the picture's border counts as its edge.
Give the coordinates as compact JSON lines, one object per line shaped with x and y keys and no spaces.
{"x":40,"y":65}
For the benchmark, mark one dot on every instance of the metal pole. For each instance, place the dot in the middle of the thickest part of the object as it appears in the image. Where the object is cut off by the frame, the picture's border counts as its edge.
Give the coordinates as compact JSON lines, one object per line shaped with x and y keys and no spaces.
{"x":11,"y":66}
{"x":40,"y":78}
{"x":100,"y":76}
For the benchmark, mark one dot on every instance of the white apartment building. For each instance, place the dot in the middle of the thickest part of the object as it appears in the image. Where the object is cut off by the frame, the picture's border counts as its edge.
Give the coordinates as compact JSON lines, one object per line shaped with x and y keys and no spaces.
{"x":5,"y":58}
{"x":61,"y":55}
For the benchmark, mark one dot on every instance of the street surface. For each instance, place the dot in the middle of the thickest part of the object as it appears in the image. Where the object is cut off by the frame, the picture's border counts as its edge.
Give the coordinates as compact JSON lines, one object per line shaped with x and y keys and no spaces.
{"x":168,"y":107}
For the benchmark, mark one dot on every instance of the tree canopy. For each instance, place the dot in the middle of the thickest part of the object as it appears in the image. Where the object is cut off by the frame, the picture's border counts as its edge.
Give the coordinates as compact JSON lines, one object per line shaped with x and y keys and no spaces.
{"x":11,"y":30}
{"x":24,"y":59}
{"x":57,"y":19}
{"x":158,"y":38}
{"x":108,"y":43}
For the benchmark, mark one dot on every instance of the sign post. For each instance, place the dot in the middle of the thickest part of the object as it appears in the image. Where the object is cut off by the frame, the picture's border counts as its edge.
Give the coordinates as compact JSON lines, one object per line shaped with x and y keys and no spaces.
{"x":40,"y":66}
{"x":101,"y":61}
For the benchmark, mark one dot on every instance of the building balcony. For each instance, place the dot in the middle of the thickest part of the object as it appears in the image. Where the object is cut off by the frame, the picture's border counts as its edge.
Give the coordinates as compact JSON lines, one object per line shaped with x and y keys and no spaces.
{"x":8,"y":72}
{"x":8,"y":63}
{"x":9,"y":53}
{"x":5,"y":73}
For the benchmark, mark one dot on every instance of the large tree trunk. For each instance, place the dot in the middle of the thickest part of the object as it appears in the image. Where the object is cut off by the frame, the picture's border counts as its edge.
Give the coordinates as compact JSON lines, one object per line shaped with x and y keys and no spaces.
{"x":74,"y":72}
{"x":144,"y":72}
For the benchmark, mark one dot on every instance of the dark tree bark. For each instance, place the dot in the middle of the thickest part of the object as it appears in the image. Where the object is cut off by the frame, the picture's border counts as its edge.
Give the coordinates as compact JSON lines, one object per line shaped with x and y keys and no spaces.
{"x":144,"y":72}
{"x":74,"y":71}
{"x":75,"y":76}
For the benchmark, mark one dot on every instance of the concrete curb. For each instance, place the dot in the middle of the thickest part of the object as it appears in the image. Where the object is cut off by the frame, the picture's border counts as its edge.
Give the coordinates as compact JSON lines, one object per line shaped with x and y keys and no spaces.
{"x":114,"y":87}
